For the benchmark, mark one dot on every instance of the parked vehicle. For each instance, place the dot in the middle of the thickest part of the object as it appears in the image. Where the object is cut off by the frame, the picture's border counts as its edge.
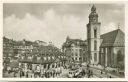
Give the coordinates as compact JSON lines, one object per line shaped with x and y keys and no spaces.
{"x":74,"y":72}
{"x":71,"y":74}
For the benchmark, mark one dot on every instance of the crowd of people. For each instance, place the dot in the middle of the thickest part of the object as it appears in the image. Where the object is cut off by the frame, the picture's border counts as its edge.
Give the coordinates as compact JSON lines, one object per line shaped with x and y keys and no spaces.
{"x":39,"y":74}
{"x":29,"y":73}
{"x":86,"y":71}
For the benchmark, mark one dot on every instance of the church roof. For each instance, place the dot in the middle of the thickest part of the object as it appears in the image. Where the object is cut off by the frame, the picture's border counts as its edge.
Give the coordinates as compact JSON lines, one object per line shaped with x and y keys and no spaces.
{"x":113,"y":38}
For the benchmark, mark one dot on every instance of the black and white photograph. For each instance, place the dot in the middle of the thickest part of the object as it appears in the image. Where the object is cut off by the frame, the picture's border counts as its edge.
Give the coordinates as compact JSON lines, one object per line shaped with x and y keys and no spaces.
{"x":63,"y":40}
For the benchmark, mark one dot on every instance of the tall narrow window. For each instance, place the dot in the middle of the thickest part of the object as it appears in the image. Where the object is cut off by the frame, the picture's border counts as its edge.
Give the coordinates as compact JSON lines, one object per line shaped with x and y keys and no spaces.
{"x":95,"y":45}
{"x":95,"y":57}
{"x":95,"y":33}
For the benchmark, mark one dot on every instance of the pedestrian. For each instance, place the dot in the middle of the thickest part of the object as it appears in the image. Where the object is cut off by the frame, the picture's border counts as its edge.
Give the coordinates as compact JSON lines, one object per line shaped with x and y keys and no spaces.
{"x":92,"y":73}
{"x":101,"y":72}
{"x":48,"y":74}
{"x":84,"y":72}
{"x":14,"y":74}
{"x":27,"y":74}
{"x":53,"y":74}
{"x":45,"y":74}
{"x":21,"y":73}
{"x":74,"y":75}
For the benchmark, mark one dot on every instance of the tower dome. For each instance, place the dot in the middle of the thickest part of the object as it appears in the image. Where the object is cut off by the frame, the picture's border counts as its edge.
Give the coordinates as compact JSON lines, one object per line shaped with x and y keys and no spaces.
{"x":93,"y":9}
{"x":93,"y":16}
{"x":93,"y":12}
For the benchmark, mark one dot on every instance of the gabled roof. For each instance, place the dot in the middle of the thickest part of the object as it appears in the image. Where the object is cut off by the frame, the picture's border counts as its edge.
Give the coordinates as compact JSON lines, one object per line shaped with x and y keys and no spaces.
{"x":24,"y":43}
{"x":8,"y":41}
{"x":113,"y":38}
{"x":77,"y":42}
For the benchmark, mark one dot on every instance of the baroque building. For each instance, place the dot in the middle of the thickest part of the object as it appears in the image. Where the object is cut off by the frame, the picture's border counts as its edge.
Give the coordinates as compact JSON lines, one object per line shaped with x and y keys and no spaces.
{"x":75,"y":50}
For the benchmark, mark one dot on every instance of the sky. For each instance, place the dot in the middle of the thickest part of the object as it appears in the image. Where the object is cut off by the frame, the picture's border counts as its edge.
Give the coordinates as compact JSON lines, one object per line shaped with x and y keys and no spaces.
{"x":53,"y":22}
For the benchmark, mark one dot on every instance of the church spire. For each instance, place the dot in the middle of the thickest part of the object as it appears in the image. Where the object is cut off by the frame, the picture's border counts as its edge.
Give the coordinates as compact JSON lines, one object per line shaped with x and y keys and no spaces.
{"x":93,"y":16}
{"x":93,"y":9}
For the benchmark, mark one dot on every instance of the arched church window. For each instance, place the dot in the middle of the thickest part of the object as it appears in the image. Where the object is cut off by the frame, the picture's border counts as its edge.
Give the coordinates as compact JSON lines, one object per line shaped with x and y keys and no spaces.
{"x":95,"y":33}
{"x":119,"y":56}
{"x":95,"y":45}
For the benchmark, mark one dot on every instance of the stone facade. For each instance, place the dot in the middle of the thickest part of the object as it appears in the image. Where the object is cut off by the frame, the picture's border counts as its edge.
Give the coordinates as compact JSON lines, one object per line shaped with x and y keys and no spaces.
{"x":93,"y":36}
{"x":106,"y":49}
{"x":75,"y":50}
{"x":112,"y":49}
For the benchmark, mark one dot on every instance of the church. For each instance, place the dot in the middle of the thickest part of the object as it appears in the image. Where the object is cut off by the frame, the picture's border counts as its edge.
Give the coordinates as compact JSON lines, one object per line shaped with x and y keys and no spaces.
{"x":106,"y":50}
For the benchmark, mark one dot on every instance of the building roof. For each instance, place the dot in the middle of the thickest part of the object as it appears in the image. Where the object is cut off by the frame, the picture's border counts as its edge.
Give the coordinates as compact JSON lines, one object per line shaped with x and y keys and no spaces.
{"x":77,"y":42}
{"x":48,"y":50}
{"x":8,"y":41}
{"x":44,"y":52}
{"x":113,"y":38}
{"x":24,"y":43}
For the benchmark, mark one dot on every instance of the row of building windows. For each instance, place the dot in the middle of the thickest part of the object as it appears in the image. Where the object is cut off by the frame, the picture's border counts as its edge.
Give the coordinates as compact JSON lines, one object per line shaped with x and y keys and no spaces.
{"x":44,"y":58}
{"x":104,"y":50}
{"x":23,"y":47}
{"x":38,"y":58}
{"x":95,"y":57}
{"x":77,"y":58}
{"x":95,"y":33}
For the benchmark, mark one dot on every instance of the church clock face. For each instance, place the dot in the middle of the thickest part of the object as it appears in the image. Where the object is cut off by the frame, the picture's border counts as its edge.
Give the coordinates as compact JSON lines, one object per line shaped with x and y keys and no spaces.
{"x":94,"y":19}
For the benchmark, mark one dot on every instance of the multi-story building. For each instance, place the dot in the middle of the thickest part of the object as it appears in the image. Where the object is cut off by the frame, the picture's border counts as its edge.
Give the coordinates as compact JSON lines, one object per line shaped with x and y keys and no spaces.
{"x":75,"y":50}
{"x":32,"y":55}
{"x":8,"y":51}
{"x":8,"y":45}
{"x":43,"y":58}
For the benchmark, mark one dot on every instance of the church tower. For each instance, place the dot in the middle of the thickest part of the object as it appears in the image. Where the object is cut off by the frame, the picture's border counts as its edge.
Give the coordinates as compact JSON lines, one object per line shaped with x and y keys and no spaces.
{"x":93,"y":36}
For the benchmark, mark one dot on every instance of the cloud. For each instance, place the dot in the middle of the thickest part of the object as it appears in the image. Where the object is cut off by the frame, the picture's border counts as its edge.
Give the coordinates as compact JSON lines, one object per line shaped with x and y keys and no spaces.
{"x":52,"y":23}
{"x":52,"y":27}
{"x":108,"y":27}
